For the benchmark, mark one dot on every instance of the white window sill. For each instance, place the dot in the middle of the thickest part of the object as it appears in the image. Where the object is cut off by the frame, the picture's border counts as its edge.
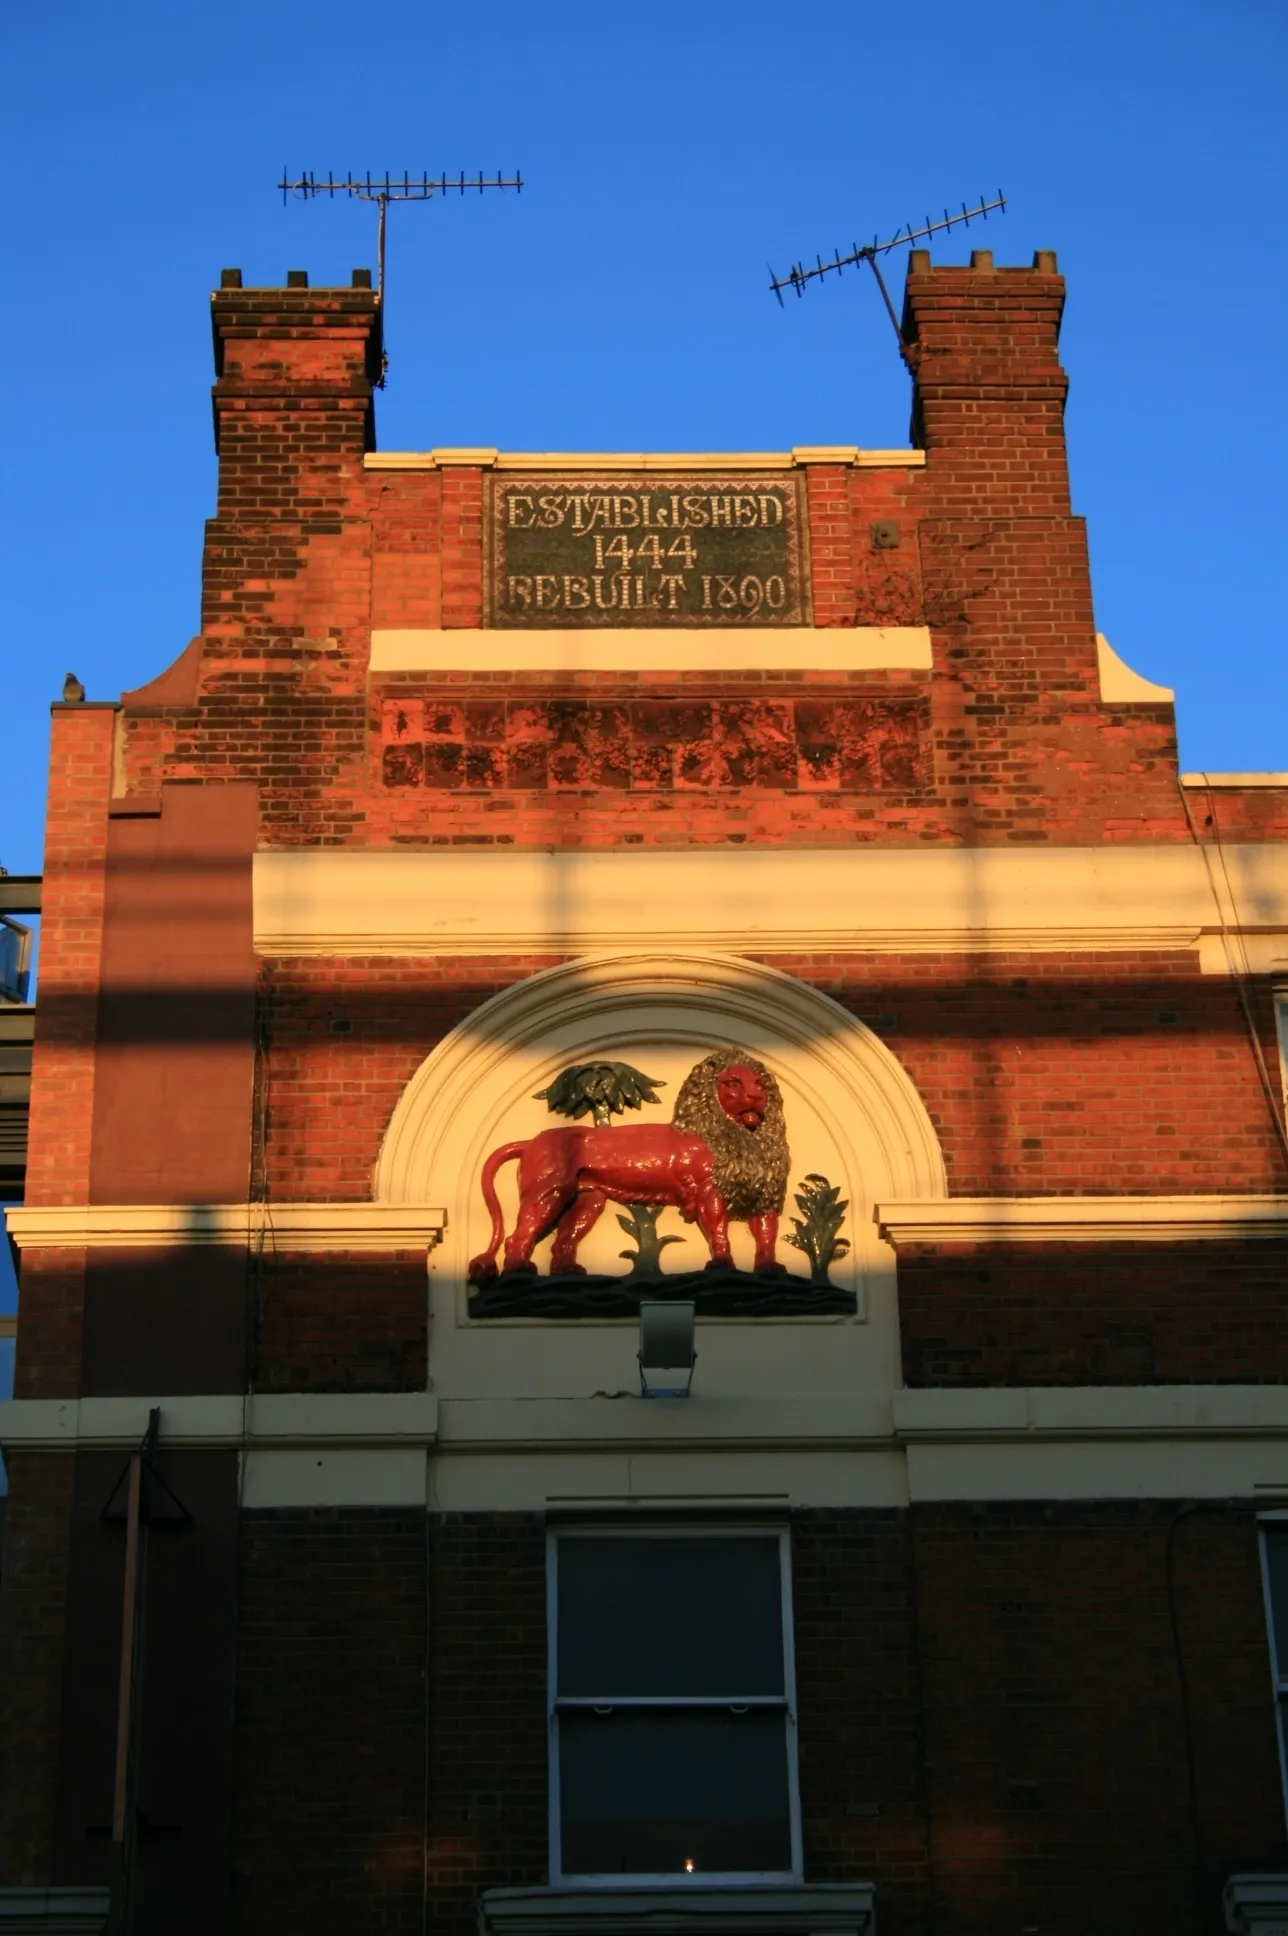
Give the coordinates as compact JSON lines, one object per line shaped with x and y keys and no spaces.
{"x":53,"y":1912}
{"x":1256,"y":1905}
{"x":786,"y":1909}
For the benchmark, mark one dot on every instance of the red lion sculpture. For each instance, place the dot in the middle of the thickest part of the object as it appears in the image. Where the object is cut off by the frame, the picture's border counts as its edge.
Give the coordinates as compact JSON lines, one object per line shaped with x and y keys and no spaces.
{"x":567,"y":1176}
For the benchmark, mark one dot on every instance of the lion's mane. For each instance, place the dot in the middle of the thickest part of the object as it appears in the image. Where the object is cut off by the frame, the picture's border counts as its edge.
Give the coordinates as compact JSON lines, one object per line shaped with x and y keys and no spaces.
{"x":751,"y":1165}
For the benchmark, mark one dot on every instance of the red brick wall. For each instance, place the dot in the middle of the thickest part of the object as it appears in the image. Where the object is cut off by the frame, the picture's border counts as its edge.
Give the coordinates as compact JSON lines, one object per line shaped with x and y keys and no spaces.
{"x":862,"y":1738}
{"x":33,"y":1611}
{"x":487,"y":1709}
{"x":332,"y":1089}
{"x":1094,"y":1313}
{"x":329,"y":1745}
{"x":71,"y":942}
{"x":309,"y":551}
{"x":993,"y":1723}
{"x":48,"y":1358}
{"x":1056,"y":1722}
{"x":341,"y":1322}
{"x":1001,"y":1684}
{"x":176,"y":1008}
{"x":1073,"y":1074}
{"x":1240,"y":813}
{"x":338,"y":1734}
{"x":407,"y":551}
{"x":1042,"y":1073}
{"x":184,"y":1730}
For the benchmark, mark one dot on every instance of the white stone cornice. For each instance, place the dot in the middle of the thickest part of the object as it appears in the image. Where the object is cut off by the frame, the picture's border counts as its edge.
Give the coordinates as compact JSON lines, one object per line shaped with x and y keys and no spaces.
{"x":280,"y":1226}
{"x":1082,"y":1220}
{"x":482,"y":457}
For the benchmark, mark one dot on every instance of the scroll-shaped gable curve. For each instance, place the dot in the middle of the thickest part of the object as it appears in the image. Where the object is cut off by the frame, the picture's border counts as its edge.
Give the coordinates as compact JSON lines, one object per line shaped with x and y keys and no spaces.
{"x":851,"y":1106}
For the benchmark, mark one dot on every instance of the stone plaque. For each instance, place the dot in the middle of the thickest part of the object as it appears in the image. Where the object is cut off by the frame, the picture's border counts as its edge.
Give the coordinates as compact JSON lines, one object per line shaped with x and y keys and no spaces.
{"x":647,"y":550}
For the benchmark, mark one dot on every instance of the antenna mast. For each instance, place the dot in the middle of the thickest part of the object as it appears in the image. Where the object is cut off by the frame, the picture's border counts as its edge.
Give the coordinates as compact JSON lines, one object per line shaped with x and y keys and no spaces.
{"x":798,"y":276}
{"x":382,"y":190}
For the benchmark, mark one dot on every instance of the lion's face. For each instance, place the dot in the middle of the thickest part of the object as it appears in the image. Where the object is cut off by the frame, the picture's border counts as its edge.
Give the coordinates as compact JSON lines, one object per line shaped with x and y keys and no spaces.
{"x":741,"y":1094}
{"x":733,"y":1102}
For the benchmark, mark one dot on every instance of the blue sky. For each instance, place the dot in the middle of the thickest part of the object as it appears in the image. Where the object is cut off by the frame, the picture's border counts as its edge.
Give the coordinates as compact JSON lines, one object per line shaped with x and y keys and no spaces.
{"x":670,"y":153}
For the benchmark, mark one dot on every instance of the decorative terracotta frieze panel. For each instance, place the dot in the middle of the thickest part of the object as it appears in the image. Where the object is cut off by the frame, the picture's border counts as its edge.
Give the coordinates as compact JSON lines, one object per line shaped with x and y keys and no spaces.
{"x":655,"y":745}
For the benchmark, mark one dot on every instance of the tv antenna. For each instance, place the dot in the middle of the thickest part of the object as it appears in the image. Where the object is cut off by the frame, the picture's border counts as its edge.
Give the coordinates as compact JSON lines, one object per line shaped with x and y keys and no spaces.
{"x":798,"y":276}
{"x":382,"y":190}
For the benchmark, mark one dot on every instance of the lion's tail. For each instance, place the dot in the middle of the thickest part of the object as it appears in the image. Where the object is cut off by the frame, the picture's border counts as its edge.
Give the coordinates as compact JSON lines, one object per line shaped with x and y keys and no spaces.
{"x":483,"y":1267}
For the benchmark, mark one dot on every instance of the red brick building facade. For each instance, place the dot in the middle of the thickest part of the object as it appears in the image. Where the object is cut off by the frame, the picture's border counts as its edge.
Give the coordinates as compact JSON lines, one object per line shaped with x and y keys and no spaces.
{"x":486,"y":766}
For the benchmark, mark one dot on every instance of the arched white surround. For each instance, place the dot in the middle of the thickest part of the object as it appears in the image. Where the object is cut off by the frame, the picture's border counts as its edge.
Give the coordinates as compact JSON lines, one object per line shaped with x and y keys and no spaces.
{"x":852,"y":1110}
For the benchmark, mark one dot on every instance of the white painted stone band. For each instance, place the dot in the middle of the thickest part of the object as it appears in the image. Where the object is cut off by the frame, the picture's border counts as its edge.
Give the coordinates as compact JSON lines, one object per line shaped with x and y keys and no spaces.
{"x":223,"y":1420}
{"x":385,"y":1227}
{"x":321,"y":901}
{"x":697,"y":648}
{"x":1070,"y":1443}
{"x":680,"y":648}
{"x":484,"y":457}
{"x":1238,"y":781}
{"x":621,"y":1421}
{"x":1083,"y":1220}
{"x":281,"y":1226}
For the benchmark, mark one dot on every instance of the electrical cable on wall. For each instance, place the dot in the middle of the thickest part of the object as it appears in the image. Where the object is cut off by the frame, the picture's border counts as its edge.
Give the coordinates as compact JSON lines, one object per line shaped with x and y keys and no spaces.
{"x":1240,"y":976}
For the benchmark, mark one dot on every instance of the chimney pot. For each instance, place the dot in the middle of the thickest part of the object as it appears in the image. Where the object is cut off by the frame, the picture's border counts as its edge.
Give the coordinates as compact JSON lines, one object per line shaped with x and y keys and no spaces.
{"x":362,"y":279}
{"x":981,"y":258}
{"x":919,"y":262}
{"x":297,"y":278}
{"x":1044,"y":262}
{"x":230,"y":279}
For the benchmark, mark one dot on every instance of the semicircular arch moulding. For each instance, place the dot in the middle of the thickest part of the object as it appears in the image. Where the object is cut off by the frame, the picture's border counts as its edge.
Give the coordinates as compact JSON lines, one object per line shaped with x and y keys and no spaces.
{"x":852,"y":1109}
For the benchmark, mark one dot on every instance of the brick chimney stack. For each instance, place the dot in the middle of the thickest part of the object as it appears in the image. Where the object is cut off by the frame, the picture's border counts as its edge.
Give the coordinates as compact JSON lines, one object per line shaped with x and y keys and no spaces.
{"x":1020,"y":724}
{"x":990,"y":392}
{"x":296,"y":370}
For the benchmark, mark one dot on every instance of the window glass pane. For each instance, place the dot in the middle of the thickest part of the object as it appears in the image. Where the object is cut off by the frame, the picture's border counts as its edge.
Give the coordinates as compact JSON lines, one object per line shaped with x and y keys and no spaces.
{"x":670,"y":1617}
{"x":1277,"y":1573}
{"x":646,"y":1791}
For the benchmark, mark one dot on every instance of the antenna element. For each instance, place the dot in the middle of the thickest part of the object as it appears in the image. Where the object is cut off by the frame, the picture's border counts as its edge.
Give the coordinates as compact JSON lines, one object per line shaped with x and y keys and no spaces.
{"x":391,"y":188}
{"x":798,"y":276}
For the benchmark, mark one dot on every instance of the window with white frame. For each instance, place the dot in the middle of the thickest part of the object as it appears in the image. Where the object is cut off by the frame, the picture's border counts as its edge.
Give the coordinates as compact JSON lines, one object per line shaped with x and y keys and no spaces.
{"x":1274,"y":1560}
{"x":672,"y":1707}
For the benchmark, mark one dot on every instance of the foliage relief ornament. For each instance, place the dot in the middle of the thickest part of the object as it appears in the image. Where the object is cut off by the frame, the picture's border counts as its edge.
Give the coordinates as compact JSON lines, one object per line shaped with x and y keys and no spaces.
{"x":600,"y":1090}
{"x":815,"y":1231}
